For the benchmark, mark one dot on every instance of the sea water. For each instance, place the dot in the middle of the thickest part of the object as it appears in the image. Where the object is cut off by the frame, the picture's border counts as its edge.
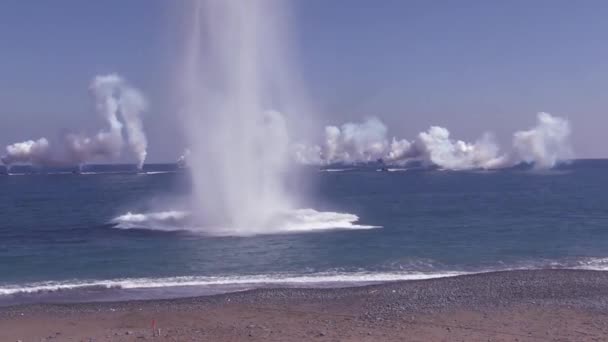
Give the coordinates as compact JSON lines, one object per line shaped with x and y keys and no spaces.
{"x":64,"y":235}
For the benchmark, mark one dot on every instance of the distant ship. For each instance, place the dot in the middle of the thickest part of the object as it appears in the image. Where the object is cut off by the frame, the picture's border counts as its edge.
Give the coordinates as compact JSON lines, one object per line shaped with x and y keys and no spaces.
{"x":383,"y":167}
{"x":181,"y":164}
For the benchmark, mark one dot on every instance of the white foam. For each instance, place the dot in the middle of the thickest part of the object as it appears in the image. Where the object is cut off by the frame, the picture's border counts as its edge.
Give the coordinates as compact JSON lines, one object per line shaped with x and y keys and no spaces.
{"x":274,"y":279}
{"x":299,"y":220}
{"x":594,"y":264}
{"x":126,"y":172}
{"x":335,"y":170}
{"x":166,"y":220}
{"x":310,"y":219}
{"x":157,"y":172}
{"x":102,"y":173}
{"x":321,"y":279}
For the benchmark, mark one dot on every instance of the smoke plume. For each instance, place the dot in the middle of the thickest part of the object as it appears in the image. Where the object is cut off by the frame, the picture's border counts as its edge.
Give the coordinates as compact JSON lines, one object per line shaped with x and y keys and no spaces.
{"x":34,"y":152}
{"x":132,"y":104}
{"x":114,"y":100}
{"x":546,"y":143}
{"x":438,"y":148}
{"x":543,"y":146}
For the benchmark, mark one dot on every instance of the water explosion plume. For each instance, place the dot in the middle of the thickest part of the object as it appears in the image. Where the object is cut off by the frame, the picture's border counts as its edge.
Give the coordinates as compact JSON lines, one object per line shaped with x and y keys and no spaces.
{"x":239,"y":96}
{"x":114,"y":99}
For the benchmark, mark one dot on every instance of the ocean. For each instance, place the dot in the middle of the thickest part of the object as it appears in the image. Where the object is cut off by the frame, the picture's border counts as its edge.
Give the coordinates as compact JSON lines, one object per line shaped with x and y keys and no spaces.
{"x":60,"y":240}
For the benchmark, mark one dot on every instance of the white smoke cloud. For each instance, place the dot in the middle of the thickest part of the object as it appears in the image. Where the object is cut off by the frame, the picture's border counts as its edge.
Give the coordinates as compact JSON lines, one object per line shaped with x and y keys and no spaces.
{"x":457,"y":154}
{"x":355,"y":142}
{"x":132,"y":105}
{"x":307,"y":154}
{"x":108,"y":142}
{"x":400,"y":150}
{"x":114,"y":98}
{"x":543,"y":146}
{"x":32,"y":152}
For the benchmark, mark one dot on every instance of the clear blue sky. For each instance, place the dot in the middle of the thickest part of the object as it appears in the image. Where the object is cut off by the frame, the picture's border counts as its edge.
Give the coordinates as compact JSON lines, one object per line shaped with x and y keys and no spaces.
{"x":470,"y":66}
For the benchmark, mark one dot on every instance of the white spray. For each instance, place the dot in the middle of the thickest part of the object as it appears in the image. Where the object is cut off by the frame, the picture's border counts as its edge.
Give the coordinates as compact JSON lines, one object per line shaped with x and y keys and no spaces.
{"x":238,"y":147}
{"x":239,"y":96}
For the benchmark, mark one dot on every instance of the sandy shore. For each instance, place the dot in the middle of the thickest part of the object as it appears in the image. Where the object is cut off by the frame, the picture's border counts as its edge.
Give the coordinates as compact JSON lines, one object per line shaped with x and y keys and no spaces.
{"x":547,"y":305}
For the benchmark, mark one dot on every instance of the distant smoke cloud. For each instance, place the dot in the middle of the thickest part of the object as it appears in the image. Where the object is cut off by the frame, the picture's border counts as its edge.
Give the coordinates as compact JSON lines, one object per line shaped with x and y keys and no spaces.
{"x":27,"y":152}
{"x":544,"y":145}
{"x":438,"y":148}
{"x":355,"y":141}
{"x":132,"y":104}
{"x":114,"y":98}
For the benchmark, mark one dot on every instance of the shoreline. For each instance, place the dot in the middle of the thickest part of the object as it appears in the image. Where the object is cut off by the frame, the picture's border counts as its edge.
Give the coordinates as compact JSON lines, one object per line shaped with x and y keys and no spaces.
{"x":127,"y":289}
{"x":186,"y":286}
{"x":527,"y":305}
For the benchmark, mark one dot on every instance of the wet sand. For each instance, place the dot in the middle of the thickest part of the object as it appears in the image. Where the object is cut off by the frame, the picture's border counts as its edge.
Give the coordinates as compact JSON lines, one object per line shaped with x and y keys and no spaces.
{"x":545,"y":305}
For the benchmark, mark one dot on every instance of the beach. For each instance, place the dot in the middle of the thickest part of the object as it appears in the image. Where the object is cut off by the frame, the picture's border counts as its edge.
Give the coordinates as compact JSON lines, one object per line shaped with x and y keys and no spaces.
{"x":539,"y":305}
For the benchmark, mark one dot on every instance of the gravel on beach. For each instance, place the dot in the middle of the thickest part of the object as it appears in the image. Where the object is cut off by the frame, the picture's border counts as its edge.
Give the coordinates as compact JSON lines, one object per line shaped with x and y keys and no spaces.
{"x":539,"y":305}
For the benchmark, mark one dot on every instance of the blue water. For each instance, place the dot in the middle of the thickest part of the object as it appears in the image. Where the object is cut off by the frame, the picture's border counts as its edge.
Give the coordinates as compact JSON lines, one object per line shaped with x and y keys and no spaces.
{"x":56,"y":231}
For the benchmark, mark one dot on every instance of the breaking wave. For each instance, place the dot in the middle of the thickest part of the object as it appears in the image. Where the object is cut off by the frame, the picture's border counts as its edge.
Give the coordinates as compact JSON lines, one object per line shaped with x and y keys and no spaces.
{"x":311,"y":280}
{"x":292,"y":221}
{"x":157,"y":172}
{"x":232,"y":283}
{"x":336,"y":170}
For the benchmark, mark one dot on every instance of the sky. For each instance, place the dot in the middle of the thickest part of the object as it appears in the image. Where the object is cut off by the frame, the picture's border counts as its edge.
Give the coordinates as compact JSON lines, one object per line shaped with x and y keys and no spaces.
{"x":470,"y":66}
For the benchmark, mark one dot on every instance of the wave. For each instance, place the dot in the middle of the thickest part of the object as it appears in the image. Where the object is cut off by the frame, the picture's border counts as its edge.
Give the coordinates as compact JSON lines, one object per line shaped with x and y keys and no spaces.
{"x":309,"y":280}
{"x":336,"y":170}
{"x":594,"y":264}
{"x":231,"y":283}
{"x":157,"y":172}
{"x":292,"y":221}
{"x":125,"y":173}
{"x":90,"y":173}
